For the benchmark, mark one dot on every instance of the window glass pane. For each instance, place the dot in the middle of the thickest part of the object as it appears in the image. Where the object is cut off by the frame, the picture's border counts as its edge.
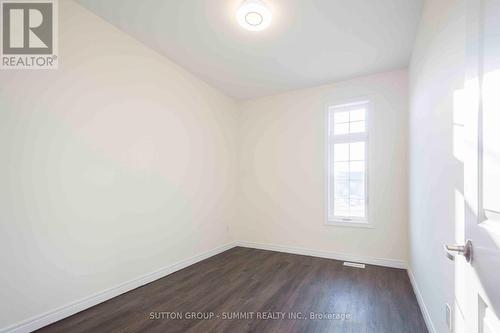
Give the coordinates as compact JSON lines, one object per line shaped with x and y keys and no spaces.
{"x":357,"y":151}
{"x":341,"y":152}
{"x":357,"y":127}
{"x":341,"y":129}
{"x":347,"y":175}
{"x":358,"y":114}
{"x":357,"y":208}
{"x":341,"y":207}
{"x":341,"y":189}
{"x":341,"y":117}
{"x":357,"y":190}
{"x":357,"y":170}
{"x":341,"y":170}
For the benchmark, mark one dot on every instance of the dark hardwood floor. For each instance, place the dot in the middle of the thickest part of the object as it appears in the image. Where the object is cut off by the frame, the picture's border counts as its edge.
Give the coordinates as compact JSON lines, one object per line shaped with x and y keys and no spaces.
{"x":277,"y":292}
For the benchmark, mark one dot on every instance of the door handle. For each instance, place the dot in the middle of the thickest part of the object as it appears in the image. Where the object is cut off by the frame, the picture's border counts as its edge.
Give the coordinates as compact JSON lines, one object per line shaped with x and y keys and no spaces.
{"x":465,"y":250}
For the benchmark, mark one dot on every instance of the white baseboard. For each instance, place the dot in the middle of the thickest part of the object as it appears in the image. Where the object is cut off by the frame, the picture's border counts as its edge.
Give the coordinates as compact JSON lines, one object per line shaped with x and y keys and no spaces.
{"x":420,"y":300}
{"x":326,"y":254}
{"x":65,"y":311}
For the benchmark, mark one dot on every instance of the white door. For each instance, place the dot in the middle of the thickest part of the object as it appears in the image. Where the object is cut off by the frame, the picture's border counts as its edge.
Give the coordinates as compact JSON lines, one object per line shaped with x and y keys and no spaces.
{"x":479,"y":296}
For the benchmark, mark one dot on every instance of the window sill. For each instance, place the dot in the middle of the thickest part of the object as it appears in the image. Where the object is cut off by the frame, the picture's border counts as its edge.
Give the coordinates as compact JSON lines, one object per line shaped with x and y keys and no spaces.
{"x":352,"y":224}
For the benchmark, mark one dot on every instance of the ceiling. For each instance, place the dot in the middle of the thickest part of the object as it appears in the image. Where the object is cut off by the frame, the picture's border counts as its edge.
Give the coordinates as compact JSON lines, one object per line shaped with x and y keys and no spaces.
{"x":309,"y":42}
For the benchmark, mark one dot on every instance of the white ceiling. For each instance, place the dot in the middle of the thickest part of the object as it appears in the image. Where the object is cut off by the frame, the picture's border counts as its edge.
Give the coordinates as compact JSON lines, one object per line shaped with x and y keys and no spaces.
{"x":310,"y":42}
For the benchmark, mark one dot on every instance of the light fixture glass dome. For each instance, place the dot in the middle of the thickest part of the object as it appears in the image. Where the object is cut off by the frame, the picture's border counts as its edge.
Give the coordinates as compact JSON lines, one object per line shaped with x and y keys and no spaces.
{"x":254,"y":15}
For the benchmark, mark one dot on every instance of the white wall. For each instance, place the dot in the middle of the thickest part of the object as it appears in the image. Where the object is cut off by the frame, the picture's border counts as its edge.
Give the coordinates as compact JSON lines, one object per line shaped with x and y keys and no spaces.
{"x":115,"y":165}
{"x":282,"y":169}
{"x":436,"y":172}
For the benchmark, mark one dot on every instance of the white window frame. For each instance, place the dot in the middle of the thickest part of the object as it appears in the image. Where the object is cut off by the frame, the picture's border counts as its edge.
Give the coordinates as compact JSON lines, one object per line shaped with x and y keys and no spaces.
{"x":355,"y":137}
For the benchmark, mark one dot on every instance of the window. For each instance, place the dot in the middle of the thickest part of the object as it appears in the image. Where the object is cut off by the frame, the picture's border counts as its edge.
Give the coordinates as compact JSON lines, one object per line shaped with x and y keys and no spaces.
{"x":347,"y":164}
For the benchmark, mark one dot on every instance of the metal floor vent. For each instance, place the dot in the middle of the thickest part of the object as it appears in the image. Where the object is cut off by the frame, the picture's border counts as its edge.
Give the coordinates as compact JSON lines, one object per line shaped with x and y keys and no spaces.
{"x":354,"y":264}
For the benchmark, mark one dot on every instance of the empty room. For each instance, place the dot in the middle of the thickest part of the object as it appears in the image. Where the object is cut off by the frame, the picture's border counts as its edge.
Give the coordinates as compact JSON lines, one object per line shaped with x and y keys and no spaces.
{"x":250,"y":166}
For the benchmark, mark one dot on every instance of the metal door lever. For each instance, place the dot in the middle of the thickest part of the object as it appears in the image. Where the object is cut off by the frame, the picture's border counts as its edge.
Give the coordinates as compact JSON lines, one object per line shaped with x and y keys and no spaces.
{"x":465,"y":250}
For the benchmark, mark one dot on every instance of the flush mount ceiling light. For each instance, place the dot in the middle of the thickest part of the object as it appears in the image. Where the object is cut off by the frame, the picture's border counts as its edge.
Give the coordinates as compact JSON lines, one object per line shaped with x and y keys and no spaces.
{"x":254,"y":15}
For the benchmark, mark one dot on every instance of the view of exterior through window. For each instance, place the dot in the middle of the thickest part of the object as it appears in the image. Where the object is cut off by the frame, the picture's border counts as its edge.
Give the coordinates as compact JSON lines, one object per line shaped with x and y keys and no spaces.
{"x":347,"y":163}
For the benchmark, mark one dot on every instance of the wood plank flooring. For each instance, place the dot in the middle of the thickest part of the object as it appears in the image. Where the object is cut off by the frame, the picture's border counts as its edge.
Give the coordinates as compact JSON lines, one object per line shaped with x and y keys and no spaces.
{"x":269,"y":291}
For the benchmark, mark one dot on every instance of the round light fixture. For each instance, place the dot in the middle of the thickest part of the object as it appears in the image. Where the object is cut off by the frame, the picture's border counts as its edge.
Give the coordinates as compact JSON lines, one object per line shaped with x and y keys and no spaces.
{"x":254,"y":15}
